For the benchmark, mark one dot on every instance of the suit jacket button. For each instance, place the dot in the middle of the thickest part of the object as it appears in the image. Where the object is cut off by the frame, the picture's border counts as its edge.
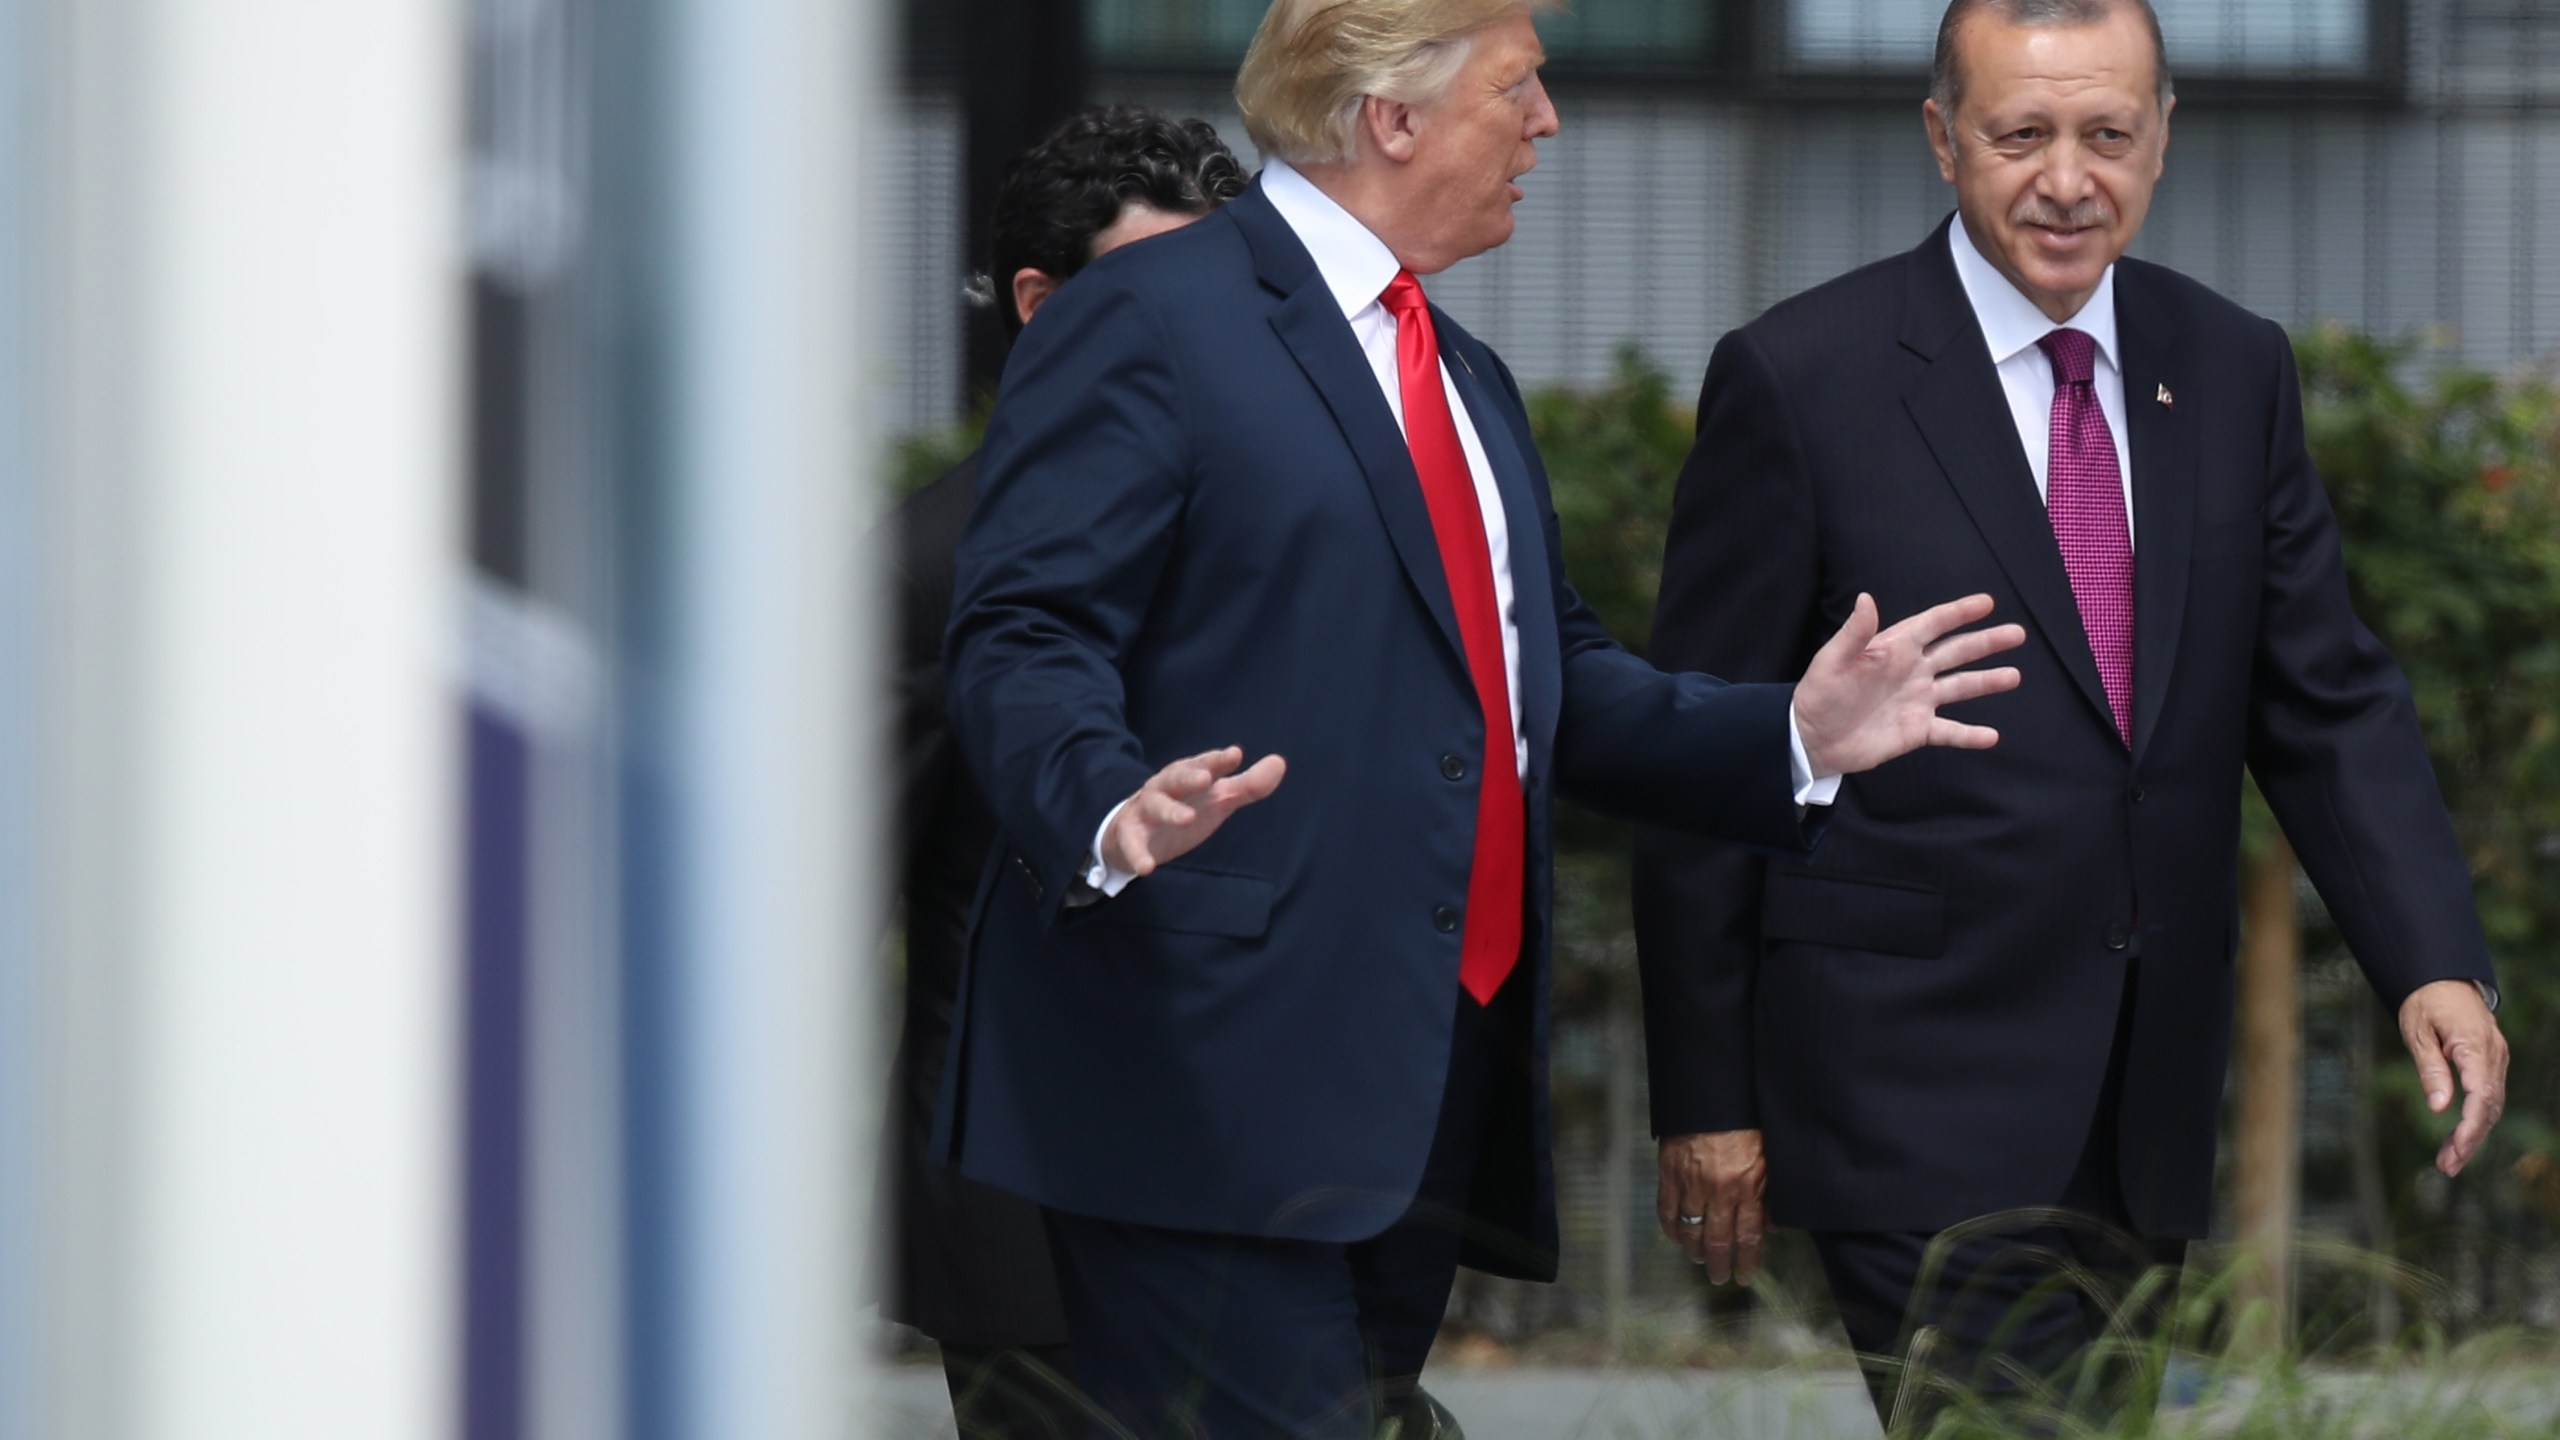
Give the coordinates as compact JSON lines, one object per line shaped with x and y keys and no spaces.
{"x":1453,"y":767}
{"x":2140,"y":794}
{"x":1445,"y":919}
{"x":2118,"y":937}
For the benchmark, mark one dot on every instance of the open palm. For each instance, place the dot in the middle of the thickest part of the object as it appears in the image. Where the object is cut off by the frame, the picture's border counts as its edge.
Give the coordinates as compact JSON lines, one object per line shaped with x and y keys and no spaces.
{"x":1871,"y":694}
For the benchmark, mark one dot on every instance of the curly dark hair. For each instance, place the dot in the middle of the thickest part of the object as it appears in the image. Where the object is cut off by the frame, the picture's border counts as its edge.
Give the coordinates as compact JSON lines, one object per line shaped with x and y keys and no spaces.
{"x":1059,"y":194}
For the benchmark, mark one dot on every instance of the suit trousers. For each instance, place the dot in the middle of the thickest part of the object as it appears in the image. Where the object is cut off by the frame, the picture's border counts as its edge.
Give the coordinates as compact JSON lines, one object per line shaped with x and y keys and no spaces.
{"x":1240,"y":1337}
{"x":2007,"y":1304}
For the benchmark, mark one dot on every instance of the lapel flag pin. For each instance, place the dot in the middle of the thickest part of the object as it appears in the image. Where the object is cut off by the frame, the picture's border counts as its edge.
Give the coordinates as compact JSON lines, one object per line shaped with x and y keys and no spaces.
{"x":2166,"y":399}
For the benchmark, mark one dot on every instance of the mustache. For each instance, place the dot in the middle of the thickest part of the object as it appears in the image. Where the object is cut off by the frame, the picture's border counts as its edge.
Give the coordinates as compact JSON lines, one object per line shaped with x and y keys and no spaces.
{"x":2040,"y":211}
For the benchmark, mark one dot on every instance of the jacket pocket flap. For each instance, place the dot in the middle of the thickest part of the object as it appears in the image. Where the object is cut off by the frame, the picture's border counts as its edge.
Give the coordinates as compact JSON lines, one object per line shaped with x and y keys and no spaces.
{"x":1191,"y":902}
{"x":1853,"y":913}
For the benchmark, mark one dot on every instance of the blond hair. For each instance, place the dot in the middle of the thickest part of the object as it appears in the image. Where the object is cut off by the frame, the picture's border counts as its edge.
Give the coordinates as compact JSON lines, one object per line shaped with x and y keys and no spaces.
{"x":1314,"y":61}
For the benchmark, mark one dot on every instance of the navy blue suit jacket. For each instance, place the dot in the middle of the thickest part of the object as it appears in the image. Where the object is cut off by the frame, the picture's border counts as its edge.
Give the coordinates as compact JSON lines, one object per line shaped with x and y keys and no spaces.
{"x":1920,"y":1017}
{"x":1198,"y":526}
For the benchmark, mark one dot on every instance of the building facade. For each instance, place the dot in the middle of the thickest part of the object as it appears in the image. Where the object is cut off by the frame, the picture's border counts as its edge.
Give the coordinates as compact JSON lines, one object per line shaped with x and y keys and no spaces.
{"x":2391,"y":164}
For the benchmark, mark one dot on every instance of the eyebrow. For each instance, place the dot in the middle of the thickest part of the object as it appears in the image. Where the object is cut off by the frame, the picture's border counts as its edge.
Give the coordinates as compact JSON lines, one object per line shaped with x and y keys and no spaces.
{"x":2045,"y":117}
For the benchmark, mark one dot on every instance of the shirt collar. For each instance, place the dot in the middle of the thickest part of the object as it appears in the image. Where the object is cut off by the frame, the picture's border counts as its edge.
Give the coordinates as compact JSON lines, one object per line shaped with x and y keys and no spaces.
{"x":1356,"y":265}
{"x":2010,"y":321}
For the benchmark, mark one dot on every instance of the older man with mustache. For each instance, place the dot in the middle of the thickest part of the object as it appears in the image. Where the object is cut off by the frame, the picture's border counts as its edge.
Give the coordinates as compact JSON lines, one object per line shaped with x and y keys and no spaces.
{"x":2008,"y":983}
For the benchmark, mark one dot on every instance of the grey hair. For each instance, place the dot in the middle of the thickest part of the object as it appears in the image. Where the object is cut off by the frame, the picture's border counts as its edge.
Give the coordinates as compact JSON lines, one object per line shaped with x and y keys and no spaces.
{"x":1946,"y":73}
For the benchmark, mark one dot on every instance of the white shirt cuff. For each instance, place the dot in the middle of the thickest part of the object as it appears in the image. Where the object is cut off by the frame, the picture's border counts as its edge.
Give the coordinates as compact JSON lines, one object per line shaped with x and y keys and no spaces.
{"x":1811,"y":789}
{"x":1097,"y":875}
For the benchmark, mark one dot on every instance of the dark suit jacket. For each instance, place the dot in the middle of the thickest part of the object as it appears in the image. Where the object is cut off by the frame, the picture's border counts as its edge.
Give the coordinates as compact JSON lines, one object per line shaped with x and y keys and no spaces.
{"x":1919,"y":1017}
{"x":970,"y":1263}
{"x":1198,"y":525}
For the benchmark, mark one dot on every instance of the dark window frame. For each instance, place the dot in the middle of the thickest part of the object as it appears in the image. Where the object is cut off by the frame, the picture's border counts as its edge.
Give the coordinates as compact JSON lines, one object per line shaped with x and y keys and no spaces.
{"x":1741,"y":61}
{"x":1724,"y":56}
{"x":2384,"y":80}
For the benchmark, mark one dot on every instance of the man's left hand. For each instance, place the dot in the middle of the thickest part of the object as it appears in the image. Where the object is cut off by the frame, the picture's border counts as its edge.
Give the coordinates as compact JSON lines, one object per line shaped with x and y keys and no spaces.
{"x":2451,"y":1033}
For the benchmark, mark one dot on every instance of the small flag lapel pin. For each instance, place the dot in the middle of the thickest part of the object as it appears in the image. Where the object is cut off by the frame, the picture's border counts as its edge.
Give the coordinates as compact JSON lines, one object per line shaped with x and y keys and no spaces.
{"x":2167,"y":400}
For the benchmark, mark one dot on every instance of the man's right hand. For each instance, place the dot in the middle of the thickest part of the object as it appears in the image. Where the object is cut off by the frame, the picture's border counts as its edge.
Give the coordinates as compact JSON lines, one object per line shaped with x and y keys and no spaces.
{"x":1714,"y":1181}
{"x":1871,"y":694}
{"x":1183,"y":805}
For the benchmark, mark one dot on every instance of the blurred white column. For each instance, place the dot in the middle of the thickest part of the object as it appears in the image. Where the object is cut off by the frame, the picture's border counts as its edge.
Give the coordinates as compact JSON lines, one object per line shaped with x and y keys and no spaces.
{"x":773,"y":632}
{"x":22,"y":1313}
{"x":249,"y":720}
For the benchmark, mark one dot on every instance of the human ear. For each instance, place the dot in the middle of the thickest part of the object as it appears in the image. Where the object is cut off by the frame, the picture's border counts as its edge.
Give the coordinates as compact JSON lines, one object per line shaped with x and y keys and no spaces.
{"x":1391,"y":126}
{"x":1942,"y":138}
{"x":1031,"y":289}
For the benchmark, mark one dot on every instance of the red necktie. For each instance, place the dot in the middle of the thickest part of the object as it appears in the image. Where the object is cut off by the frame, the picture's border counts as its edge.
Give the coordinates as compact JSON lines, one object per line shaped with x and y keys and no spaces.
{"x":2084,"y":495}
{"x":1492,"y":943}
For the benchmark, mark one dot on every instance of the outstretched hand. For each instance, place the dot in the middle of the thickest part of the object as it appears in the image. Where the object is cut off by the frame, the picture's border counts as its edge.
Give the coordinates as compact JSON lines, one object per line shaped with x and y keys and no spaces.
{"x":1182,"y":805}
{"x":1871,"y":695}
{"x":2449,"y":1032}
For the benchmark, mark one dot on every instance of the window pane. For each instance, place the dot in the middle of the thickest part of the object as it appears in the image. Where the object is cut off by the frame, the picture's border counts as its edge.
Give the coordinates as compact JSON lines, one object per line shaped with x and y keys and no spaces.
{"x":1665,"y":31}
{"x":2319,"y":37}
{"x":1215,"y":32}
{"x":1172,"y":31}
{"x":2311,"y":38}
{"x":1862,"y":34}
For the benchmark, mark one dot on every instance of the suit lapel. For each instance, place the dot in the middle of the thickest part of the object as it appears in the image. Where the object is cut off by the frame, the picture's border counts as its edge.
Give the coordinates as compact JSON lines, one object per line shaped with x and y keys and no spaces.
{"x":1962,"y":413}
{"x":2164,"y":494}
{"x":1310,"y":323}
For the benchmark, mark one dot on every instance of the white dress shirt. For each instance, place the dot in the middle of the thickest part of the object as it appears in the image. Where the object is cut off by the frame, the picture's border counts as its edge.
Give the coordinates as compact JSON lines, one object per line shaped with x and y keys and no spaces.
{"x":1357,"y":267}
{"x":2012,"y":325}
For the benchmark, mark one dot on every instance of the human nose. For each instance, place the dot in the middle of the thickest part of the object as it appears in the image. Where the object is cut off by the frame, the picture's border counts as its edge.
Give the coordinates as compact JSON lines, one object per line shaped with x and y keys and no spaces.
{"x":1543,"y":119}
{"x":2064,"y":176}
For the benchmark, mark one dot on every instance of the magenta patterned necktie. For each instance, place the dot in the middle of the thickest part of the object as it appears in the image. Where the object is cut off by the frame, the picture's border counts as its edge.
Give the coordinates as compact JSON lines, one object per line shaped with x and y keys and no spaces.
{"x":2084,"y":493}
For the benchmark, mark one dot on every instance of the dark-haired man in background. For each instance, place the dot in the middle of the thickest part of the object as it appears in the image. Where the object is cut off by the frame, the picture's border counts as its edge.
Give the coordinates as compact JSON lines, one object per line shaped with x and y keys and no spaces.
{"x":972,"y":1264}
{"x":2007,"y":982}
